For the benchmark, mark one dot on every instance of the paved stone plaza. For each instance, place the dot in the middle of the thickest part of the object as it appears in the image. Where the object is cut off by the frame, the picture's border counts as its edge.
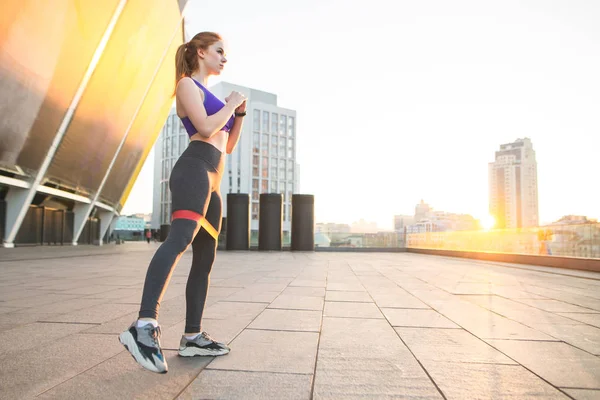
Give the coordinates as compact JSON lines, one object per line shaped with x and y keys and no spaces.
{"x":302,"y":325}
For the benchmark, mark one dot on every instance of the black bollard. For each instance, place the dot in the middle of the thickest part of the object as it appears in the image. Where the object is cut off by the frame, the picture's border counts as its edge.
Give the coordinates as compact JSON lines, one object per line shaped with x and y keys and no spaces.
{"x":238,"y":222}
{"x":270,"y":221}
{"x":164,"y":232}
{"x":303,"y":222}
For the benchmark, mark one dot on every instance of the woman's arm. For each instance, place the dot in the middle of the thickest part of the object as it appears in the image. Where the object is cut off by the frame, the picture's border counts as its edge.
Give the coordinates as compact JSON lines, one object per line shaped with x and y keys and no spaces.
{"x":191,"y":101}
{"x":234,"y":134}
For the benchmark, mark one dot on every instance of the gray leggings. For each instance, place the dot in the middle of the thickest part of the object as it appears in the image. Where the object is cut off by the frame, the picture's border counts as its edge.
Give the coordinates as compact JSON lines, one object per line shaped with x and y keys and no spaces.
{"x":195,"y":186}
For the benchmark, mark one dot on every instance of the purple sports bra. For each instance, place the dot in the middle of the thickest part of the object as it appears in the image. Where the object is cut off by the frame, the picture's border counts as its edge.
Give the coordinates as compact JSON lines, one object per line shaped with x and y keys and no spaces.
{"x":212,"y":105}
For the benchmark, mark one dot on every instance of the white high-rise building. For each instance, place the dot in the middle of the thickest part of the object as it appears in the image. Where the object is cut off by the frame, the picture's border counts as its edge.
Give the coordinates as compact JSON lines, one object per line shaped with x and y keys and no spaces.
{"x":513,"y":188}
{"x":264,"y":160}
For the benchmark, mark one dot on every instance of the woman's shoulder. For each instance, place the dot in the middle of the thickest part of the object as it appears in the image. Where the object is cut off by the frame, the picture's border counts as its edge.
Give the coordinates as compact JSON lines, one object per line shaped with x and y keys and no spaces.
{"x":186,"y":84}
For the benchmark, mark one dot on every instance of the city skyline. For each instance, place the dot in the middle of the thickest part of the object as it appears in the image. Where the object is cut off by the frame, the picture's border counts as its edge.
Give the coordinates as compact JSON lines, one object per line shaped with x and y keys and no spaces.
{"x":415,"y":104}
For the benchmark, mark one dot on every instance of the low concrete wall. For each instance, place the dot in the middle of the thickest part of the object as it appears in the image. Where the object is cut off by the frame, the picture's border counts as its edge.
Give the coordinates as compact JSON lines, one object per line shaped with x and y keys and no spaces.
{"x":361,"y":249}
{"x":583,"y":264}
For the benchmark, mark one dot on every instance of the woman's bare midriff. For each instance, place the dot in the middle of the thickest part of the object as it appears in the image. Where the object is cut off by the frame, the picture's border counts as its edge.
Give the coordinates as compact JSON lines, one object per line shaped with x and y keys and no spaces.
{"x":219,"y":139}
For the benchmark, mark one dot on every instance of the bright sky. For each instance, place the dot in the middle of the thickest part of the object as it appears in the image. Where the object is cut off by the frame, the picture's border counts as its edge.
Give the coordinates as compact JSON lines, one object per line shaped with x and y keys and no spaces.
{"x":402,"y":100}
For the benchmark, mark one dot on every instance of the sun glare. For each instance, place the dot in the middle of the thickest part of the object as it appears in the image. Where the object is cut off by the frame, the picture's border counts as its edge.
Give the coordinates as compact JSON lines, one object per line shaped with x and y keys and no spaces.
{"x":488,"y":222}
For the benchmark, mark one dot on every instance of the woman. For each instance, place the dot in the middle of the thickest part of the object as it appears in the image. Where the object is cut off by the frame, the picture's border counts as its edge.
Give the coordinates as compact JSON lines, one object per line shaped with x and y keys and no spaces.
{"x":214,"y":128}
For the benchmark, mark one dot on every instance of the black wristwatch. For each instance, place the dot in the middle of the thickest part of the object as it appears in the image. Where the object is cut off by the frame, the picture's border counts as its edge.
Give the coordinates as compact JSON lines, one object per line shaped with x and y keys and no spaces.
{"x":242,"y":114}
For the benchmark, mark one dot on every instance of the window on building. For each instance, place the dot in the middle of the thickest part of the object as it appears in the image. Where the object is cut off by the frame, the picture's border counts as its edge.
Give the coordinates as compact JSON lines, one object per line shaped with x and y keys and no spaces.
{"x":282,"y":169}
{"x":290,"y":170}
{"x":265,"y":167}
{"x":273,"y":187}
{"x":282,"y":146}
{"x":264,"y":186}
{"x":290,"y":144}
{"x":163,"y":191}
{"x":274,"y":121}
{"x":174,"y":146}
{"x":265,"y":144}
{"x":282,"y":190}
{"x":291,"y":126}
{"x":254,"y":189}
{"x":282,"y":124}
{"x":183,"y":141}
{"x":167,"y":168}
{"x":274,"y":145}
{"x":254,"y":210}
{"x":256,"y":143}
{"x":273,"y":168}
{"x":167,"y":146}
{"x":265,"y":122}
{"x":256,"y":120}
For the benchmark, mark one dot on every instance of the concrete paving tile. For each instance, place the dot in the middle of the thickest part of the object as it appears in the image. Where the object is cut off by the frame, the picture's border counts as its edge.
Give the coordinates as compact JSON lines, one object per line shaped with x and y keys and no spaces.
{"x":514,"y":293}
{"x":64,"y":284}
{"x":364,"y":378}
{"x":572,"y":298}
{"x":488,"y":325}
{"x":120,"y":293}
{"x":309,"y":283}
{"x":559,"y":363}
{"x":25,"y":337}
{"x":556,"y":306}
{"x":352,"y":337}
{"x":252,"y":295}
{"x":216,"y":384}
{"x":584,"y":337}
{"x":486,"y":322}
{"x":4,"y":310}
{"x":126,"y":379}
{"x":450,"y":345}
{"x":93,"y":289}
{"x":590,"y":319}
{"x":270,"y":351}
{"x":351,"y":310}
{"x":227,"y":310}
{"x":379,"y":282}
{"x":14,"y":319}
{"x":114,"y":326}
{"x":304,"y":291}
{"x":288,"y":320}
{"x":351,"y":367}
{"x":348,"y":287}
{"x":402,"y":317}
{"x":468,"y":288}
{"x":291,"y":302}
{"x":489,"y":381}
{"x":267,"y":287}
{"x":44,"y":367}
{"x":353,"y":297}
{"x":396,"y":298}
{"x":583,"y":394}
{"x":38,"y":299}
{"x":272,"y":279}
{"x":65,"y":306}
{"x":95,"y":314}
{"x":221,"y":292}
{"x":517,"y":311}
{"x":21,"y":292}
